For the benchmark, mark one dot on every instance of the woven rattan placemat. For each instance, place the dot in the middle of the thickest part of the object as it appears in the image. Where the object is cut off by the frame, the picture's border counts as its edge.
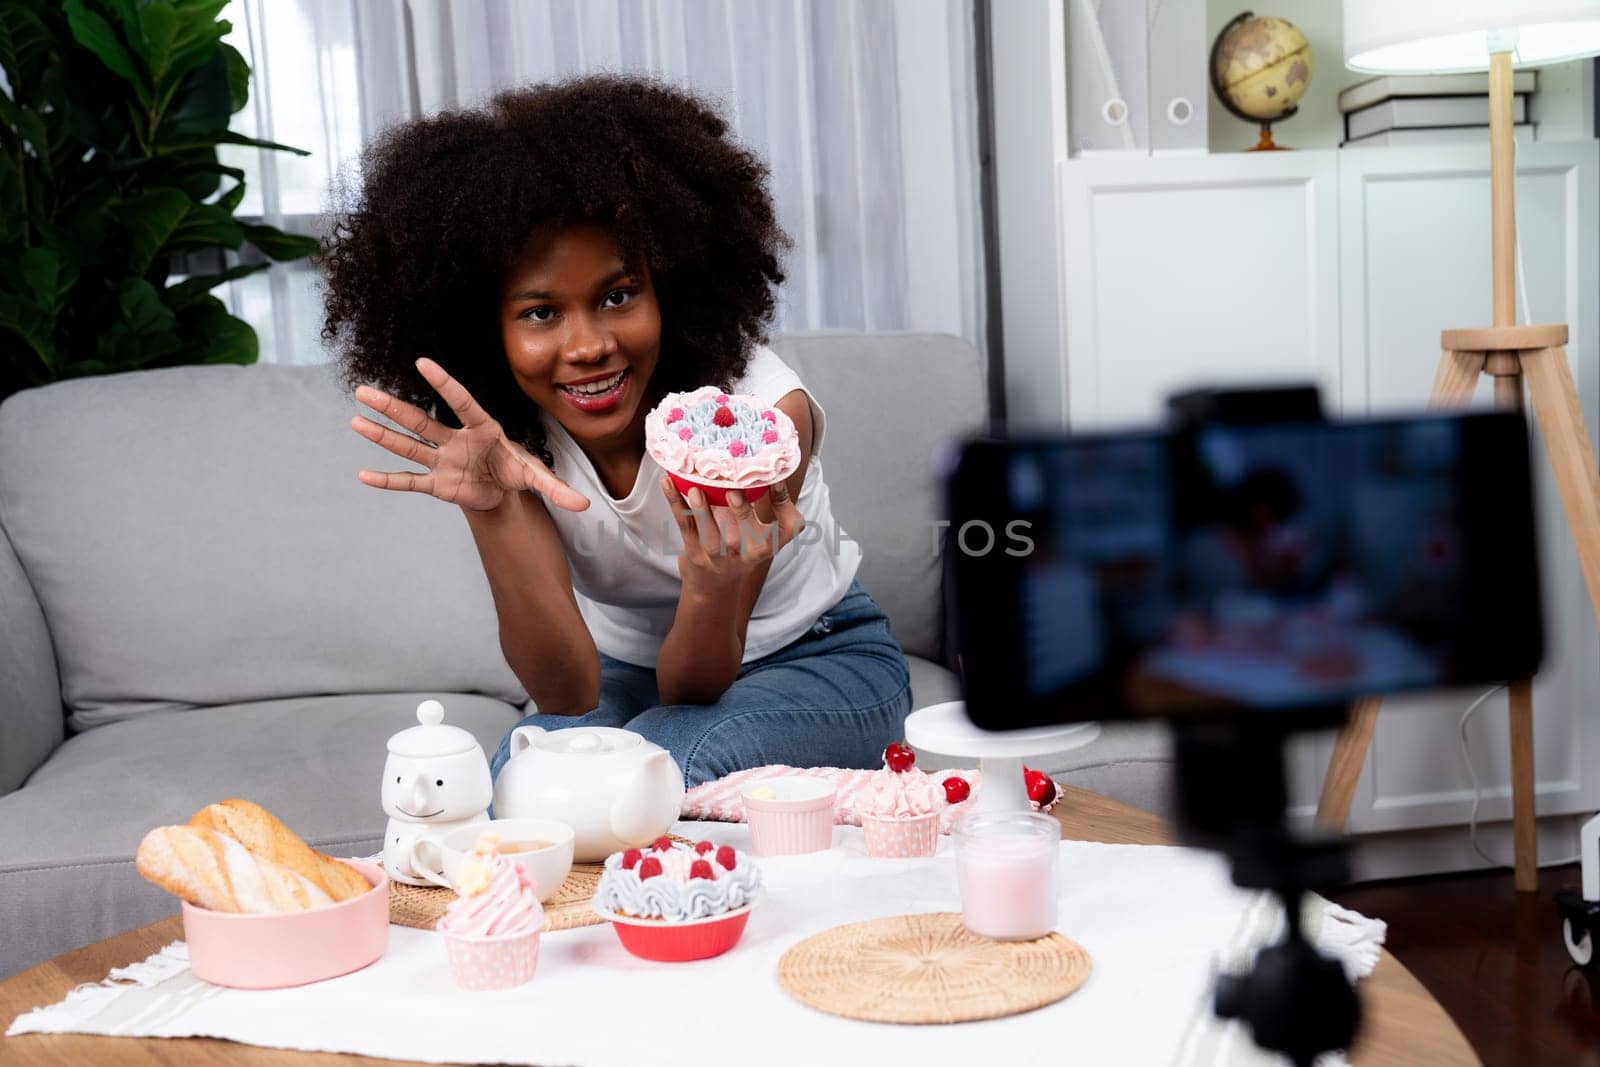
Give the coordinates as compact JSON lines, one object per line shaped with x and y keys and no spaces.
{"x":928,"y":969}
{"x":421,"y":906}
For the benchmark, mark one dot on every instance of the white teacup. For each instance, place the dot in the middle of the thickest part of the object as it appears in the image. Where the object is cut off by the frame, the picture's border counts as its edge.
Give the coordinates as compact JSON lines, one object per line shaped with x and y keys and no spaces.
{"x":548,"y":866}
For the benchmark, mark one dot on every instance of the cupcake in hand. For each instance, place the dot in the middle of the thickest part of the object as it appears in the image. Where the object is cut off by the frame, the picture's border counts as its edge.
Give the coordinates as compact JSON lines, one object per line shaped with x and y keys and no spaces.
{"x":718,"y":442}
{"x":899,"y":808}
{"x":491,"y":931}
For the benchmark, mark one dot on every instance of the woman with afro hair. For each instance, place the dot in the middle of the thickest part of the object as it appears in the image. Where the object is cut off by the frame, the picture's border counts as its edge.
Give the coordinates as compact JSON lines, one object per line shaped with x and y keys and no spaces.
{"x":515,"y":288}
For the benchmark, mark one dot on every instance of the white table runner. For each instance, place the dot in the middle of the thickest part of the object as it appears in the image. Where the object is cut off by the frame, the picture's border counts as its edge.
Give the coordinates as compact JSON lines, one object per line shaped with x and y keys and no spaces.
{"x":1156,"y":920}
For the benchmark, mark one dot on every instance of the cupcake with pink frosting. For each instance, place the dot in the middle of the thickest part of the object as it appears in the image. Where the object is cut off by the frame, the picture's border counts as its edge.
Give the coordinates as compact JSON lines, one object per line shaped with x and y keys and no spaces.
{"x":491,"y":930}
{"x":899,"y":808}
{"x":718,"y":441}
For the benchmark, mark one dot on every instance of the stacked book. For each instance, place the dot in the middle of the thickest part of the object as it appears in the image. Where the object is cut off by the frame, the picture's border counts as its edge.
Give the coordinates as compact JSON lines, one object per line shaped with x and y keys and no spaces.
{"x":1430,"y":109}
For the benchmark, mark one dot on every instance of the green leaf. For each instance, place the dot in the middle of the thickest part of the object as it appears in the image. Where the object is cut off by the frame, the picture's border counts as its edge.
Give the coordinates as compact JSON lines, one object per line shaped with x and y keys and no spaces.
{"x":24,"y":48}
{"x":96,"y":34}
{"x":158,"y":32}
{"x":39,"y":268}
{"x":229,"y":137}
{"x":36,"y":339}
{"x":152,"y":218}
{"x":214,"y":336}
{"x":215,"y":137}
{"x":238,"y":78}
{"x":187,"y":291}
{"x":141,"y":307}
{"x":203,"y":101}
{"x":206,"y":226}
{"x":230,"y":200}
{"x":198,"y":34}
{"x":30,"y":128}
{"x":278,"y":245}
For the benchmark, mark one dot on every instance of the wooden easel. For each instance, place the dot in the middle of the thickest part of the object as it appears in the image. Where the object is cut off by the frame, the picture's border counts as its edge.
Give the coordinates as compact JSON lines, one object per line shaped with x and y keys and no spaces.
{"x":1510,"y":354}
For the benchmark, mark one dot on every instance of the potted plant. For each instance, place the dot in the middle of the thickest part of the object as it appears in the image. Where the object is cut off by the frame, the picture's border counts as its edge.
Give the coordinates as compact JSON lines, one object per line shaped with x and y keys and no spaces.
{"x":110,"y":125}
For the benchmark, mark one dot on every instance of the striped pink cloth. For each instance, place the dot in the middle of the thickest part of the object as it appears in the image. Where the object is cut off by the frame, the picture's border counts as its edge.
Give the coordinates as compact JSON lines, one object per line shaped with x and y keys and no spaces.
{"x":720,"y":801}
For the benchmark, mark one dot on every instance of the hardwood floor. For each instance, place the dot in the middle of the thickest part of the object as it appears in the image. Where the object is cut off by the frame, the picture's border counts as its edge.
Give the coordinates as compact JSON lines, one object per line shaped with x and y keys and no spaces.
{"x":1495,"y":960}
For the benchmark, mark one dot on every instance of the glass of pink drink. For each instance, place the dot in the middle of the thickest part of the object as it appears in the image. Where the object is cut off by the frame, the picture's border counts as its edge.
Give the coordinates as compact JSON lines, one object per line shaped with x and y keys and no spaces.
{"x":1006,"y":867}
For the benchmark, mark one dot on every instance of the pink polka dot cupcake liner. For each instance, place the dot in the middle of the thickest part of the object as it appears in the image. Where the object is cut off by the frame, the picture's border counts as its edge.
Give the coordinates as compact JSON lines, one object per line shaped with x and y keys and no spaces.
{"x":483,"y":963}
{"x":909,"y":838}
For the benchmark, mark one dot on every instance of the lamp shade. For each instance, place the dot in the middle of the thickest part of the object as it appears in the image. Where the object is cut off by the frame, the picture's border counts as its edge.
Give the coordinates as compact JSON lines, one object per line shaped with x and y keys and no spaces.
{"x":1446,"y":36}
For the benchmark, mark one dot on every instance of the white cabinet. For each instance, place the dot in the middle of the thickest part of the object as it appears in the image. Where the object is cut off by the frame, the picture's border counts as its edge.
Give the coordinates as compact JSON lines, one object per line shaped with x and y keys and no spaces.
{"x":1341,"y":267}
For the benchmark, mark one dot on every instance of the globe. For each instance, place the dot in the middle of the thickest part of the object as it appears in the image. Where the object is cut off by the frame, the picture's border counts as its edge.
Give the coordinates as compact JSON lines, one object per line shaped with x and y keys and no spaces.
{"x":1261,"y":67}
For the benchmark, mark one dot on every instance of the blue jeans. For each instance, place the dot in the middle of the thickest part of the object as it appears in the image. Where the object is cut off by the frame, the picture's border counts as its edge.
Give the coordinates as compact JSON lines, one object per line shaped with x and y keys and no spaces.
{"x":833,"y":697}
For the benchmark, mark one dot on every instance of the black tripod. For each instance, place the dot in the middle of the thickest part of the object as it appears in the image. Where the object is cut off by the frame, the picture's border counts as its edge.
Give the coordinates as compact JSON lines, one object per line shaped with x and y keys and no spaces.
{"x":1232,"y":798}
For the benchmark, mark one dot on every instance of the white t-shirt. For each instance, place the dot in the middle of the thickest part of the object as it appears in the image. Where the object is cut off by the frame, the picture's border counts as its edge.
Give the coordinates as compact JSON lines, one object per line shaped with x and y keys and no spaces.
{"x":623,"y":554}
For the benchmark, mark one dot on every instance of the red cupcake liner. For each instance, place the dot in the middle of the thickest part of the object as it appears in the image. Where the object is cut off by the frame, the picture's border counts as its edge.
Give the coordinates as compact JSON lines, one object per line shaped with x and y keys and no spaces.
{"x":669,"y":942}
{"x":716,"y":495}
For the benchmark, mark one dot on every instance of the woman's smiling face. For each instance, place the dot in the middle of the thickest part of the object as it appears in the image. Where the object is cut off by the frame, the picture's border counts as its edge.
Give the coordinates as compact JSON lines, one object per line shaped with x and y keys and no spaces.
{"x":582,"y":333}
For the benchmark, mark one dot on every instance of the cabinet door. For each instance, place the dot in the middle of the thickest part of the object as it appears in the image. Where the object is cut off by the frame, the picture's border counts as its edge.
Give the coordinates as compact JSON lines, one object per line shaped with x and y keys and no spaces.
{"x":1414,"y":259}
{"x":1201,"y":270}
{"x":1197,"y":270}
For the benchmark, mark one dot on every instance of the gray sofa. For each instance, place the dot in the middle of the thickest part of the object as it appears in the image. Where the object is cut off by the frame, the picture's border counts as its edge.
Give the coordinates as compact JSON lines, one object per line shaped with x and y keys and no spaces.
{"x":199,"y":600}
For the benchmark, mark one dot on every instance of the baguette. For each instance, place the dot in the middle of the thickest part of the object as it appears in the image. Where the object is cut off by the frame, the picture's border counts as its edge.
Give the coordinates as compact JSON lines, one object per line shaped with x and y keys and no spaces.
{"x":211,"y":870}
{"x":259,"y":831}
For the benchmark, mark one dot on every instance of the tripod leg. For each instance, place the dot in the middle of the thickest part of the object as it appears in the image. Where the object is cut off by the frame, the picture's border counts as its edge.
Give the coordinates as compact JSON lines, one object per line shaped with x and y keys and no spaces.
{"x":1522,"y":800}
{"x":1344,"y":767}
{"x":1566,"y":441}
{"x":1456,"y":379}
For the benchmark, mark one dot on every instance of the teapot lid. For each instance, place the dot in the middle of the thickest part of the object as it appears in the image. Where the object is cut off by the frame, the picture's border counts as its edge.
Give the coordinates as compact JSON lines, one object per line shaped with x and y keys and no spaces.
{"x":431,"y":737}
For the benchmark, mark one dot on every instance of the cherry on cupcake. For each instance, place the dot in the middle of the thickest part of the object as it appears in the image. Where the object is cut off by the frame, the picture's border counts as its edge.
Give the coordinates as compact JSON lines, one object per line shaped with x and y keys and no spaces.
{"x":1041,"y":790}
{"x":956,"y":789}
{"x":899,"y":758}
{"x":724,"y":417}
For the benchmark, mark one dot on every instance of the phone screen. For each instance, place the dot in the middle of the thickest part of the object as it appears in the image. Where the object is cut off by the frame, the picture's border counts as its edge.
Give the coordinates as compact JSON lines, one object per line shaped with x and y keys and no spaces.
{"x":1262,"y":567}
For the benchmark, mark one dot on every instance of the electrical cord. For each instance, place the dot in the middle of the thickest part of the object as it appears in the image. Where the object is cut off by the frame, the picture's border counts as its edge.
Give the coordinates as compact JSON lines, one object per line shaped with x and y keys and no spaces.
{"x":1477,"y":796}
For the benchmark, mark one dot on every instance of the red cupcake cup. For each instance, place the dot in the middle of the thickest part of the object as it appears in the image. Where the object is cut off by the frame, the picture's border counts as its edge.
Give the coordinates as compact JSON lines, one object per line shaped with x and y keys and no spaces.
{"x":679,"y":942}
{"x":717,"y":495}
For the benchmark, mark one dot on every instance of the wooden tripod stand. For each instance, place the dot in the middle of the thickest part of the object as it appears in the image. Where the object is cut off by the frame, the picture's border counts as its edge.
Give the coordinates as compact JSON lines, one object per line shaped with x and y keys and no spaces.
{"x":1510,"y":354}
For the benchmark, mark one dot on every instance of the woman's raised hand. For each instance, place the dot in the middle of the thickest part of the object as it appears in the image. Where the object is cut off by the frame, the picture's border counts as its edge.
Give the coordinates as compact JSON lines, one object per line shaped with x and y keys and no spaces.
{"x":474,"y":466}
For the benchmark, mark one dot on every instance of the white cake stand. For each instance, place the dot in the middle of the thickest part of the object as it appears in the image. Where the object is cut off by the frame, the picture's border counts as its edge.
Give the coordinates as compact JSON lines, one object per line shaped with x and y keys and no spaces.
{"x":945,"y":730}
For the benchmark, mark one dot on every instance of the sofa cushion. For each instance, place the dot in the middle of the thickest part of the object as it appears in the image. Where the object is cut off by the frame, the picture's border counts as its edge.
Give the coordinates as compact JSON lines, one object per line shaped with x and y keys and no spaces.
{"x":31,"y":723}
{"x":931,"y":683}
{"x":67,"y":839}
{"x":204,"y":540}
{"x":895,"y":401}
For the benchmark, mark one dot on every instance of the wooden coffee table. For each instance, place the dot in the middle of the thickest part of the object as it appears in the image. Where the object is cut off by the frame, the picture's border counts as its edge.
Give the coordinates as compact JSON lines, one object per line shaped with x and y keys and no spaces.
{"x":1404,"y":1025}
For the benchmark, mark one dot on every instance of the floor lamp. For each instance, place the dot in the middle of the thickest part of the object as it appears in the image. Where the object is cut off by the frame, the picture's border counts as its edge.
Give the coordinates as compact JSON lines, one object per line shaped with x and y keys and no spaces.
{"x":1404,"y":37}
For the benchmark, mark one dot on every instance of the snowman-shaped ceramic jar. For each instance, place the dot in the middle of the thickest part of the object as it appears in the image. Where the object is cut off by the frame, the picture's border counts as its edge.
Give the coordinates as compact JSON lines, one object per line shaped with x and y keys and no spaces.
{"x":435,"y":779}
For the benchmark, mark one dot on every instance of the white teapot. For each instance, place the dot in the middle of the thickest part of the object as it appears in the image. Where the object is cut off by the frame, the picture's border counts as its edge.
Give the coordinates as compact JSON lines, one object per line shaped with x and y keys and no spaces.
{"x":615,"y":789}
{"x":435,"y":779}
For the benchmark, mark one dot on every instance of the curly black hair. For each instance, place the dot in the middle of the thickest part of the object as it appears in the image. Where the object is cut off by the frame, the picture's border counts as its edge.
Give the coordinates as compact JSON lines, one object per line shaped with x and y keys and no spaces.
{"x":446,"y":204}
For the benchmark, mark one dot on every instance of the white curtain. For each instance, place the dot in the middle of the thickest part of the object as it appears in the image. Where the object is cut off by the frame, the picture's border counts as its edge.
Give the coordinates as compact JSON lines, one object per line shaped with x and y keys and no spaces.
{"x":865,"y":110}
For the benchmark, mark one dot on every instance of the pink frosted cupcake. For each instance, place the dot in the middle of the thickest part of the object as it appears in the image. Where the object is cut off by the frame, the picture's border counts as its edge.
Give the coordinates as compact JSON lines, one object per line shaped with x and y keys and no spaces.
{"x":491,"y":931}
{"x":718,"y":442}
{"x":899,"y":808}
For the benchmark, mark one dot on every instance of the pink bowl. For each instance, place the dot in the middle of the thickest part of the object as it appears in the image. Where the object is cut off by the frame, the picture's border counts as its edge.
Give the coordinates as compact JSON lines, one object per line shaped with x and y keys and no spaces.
{"x":799,"y":819}
{"x":696,"y":939}
{"x":293,"y":947}
{"x":716,"y":495}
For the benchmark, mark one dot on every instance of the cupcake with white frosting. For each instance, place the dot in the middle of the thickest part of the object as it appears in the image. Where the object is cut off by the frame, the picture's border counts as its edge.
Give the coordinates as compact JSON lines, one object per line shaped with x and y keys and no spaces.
{"x":674,"y":902}
{"x":719,"y":441}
